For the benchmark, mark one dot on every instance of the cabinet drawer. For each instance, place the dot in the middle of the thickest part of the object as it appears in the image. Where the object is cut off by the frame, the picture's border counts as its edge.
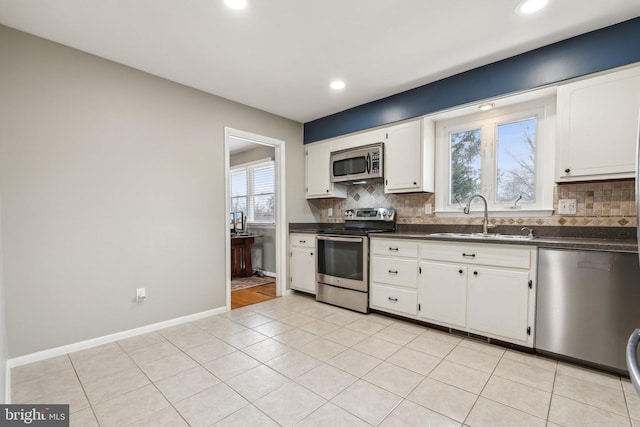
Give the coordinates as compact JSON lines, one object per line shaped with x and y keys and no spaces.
{"x":302,"y":240}
{"x":400,"y":300}
{"x":395,"y":271}
{"x":498,"y":255}
{"x":401,"y":248}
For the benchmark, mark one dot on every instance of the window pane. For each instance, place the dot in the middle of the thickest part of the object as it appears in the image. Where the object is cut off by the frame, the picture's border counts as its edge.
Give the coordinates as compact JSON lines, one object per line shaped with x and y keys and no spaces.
{"x":239,"y":204}
{"x":516,"y":168}
{"x":264,"y":207}
{"x":238,"y":184}
{"x":465,"y":165}
{"x":263,"y":180}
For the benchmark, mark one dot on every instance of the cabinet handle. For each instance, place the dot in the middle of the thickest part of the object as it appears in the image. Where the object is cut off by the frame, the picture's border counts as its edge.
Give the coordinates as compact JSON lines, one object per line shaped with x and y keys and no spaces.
{"x":327,"y":191}
{"x":302,"y":241}
{"x":415,"y":183}
{"x":475,"y":273}
{"x":468,"y":255}
{"x":460,"y":271}
{"x":393,"y":299}
{"x":393,"y":249}
{"x":311,"y":253}
{"x":567,"y":170}
{"x":393,"y":271}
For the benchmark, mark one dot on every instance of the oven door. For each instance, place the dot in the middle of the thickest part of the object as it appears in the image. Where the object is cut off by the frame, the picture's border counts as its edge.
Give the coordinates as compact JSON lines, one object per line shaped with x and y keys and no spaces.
{"x":343,"y":261}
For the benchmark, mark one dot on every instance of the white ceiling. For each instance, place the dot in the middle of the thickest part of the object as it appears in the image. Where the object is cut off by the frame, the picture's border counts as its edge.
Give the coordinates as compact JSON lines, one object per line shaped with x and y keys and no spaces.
{"x":280,"y":55}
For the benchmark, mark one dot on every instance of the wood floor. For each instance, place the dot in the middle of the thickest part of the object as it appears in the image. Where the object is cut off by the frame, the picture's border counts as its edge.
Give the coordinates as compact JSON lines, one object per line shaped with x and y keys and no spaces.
{"x":254,"y":295}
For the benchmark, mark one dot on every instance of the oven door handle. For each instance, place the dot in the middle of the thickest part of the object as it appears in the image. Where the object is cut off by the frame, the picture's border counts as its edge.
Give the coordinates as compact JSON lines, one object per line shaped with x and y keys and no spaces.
{"x":340,"y":239}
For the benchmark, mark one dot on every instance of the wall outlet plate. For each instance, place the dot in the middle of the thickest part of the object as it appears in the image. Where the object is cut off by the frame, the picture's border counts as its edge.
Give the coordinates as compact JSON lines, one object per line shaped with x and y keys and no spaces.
{"x":567,"y":206}
{"x":427,"y":208}
{"x":330,"y":212}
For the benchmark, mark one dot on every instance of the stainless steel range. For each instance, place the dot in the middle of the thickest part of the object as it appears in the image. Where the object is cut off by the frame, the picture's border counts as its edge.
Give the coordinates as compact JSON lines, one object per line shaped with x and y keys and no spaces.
{"x":342,"y":257}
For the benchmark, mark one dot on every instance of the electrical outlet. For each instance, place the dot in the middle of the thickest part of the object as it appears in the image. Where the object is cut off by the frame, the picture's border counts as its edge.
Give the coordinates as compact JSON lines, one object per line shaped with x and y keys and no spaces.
{"x":567,"y":206}
{"x":427,"y":208}
{"x":330,"y":212}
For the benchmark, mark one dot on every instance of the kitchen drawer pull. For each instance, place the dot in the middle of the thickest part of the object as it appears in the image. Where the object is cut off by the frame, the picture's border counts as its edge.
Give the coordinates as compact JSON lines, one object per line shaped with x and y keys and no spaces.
{"x":475,"y":273}
{"x":460,"y":271}
{"x":393,"y":249}
{"x":302,"y":241}
{"x":468,"y":255}
{"x":393,"y":271}
{"x":393,"y":299}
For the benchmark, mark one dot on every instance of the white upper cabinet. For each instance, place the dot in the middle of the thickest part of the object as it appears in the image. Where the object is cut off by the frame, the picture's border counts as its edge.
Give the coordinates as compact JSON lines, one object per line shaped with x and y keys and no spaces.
{"x":409,"y":157}
{"x":318,"y":177}
{"x":409,"y":153}
{"x":597,"y":127}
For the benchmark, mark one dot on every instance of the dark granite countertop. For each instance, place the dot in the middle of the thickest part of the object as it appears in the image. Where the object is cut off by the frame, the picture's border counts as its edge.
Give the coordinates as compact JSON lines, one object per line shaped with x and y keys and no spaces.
{"x":620,"y":239}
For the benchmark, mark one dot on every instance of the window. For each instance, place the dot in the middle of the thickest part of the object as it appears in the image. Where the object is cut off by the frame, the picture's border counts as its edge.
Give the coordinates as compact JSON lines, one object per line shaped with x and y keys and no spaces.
{"x":252,"y":191}
{"x":506,"y":155}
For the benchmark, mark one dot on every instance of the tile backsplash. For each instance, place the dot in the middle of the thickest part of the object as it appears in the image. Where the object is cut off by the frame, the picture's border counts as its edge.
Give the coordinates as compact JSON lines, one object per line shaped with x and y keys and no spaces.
{"x":605,"y":204}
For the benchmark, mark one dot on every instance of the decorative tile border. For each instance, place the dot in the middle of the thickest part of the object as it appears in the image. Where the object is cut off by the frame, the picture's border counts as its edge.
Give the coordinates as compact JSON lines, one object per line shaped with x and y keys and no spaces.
{"x":599,"y":204}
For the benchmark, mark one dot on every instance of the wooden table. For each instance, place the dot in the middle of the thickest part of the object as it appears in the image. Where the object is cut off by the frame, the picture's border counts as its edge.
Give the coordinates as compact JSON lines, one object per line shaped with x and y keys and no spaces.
{"x":241,"y":255}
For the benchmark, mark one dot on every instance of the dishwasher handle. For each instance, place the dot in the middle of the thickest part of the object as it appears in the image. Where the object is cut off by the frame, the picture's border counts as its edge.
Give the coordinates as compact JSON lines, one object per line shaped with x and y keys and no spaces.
{"x":632,"y":359}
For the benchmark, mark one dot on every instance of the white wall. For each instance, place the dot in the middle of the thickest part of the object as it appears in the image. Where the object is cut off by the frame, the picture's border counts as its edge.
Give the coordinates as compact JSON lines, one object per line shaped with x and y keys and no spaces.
{"x":112,"y":179}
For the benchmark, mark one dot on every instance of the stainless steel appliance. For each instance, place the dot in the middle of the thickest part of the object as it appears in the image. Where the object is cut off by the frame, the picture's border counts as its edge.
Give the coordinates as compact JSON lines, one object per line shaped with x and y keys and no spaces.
{"x":634,"y":338}
{"x":587,"y":305}
{"x":358,"y":165}
{"x":342,"y":257}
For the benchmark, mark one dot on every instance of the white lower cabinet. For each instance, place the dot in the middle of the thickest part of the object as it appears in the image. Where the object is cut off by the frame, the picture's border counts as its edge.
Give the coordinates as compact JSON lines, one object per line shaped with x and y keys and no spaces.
{"x":484,"y":289}
{"x":302,"y":265}
{"x":443,"y":293}
{"x":498,"y":303}
{"x":394,"y":276}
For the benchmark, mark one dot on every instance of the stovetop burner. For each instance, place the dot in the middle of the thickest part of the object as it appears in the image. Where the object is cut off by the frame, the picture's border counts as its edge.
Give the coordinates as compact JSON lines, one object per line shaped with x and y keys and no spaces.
{"x":361,"y":222}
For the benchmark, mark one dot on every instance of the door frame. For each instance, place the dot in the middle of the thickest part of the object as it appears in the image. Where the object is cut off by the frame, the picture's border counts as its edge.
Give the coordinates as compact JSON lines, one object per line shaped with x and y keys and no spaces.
{"x":281,"y":217}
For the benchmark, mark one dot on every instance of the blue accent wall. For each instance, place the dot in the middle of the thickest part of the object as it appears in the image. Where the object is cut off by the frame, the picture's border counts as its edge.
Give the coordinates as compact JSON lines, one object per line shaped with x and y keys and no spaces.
{"x":588,"y":53}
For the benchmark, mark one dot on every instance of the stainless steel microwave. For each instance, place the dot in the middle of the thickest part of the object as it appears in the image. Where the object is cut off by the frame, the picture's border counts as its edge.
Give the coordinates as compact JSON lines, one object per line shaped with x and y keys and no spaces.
{"x":353,"y":165}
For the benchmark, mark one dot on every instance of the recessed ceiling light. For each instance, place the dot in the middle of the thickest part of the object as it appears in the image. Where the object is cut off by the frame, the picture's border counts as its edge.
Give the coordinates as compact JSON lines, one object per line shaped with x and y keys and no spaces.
{"x":236,"y":4}
{"x":337,"y":85}
{"x":527,"y":7}
{"x":486,"y":107}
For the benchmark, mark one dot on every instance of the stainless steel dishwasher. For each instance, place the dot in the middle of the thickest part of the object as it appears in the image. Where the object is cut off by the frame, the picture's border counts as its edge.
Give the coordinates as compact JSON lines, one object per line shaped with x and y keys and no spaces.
{"x":587,"y":305}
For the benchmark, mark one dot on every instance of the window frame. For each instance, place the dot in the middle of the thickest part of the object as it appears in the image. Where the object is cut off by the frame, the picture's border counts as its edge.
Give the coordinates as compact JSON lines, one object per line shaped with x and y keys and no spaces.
{"x":248,"y":169}
{"x":543,"y":110}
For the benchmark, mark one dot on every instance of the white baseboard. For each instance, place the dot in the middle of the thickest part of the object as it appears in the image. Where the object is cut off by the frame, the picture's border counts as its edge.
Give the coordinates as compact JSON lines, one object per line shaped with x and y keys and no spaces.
{"x":94,"y":342}
{"x":269,"y":273}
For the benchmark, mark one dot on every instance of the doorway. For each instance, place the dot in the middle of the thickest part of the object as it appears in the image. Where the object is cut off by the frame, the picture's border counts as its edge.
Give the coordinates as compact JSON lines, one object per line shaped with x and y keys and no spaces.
{"x":252,"y":152}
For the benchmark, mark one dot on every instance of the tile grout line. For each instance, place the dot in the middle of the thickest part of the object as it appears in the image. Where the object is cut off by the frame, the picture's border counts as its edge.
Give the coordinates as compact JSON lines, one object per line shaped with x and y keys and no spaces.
{"x":93,"y":411}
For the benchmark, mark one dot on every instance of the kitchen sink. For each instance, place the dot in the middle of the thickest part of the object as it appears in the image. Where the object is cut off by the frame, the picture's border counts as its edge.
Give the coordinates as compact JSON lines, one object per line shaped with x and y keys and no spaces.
{"x":497,"y":236}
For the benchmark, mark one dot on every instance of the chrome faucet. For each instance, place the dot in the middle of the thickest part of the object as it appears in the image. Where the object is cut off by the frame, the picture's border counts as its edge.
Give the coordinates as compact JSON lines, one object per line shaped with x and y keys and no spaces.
{"x":485,"y":225}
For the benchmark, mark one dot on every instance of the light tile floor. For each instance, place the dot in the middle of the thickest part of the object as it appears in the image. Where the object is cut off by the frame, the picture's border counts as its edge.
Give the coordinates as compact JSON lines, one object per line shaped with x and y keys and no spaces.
{"x":294,"y":361}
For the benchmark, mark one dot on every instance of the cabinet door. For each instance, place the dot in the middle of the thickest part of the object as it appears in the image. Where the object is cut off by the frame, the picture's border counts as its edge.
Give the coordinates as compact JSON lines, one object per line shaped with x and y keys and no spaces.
{"x":403,"y":158}
{"x":598,"y":127}
{"x":302,"y":269}
{"x":318,"y":180}
{"x":442,"y":293}
{"x":498,"y":302}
